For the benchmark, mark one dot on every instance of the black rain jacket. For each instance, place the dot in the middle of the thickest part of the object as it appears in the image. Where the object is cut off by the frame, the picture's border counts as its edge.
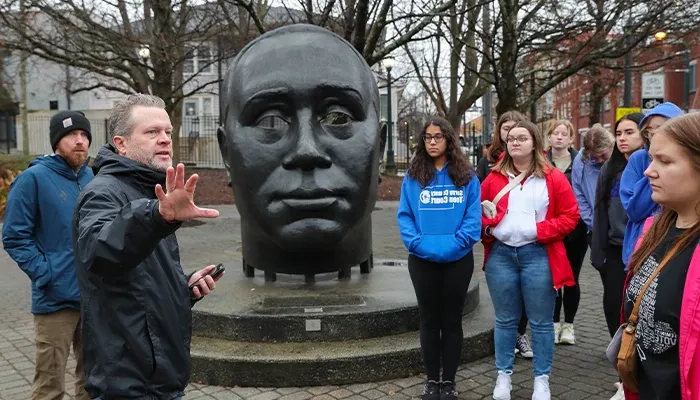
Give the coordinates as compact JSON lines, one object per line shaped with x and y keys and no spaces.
{"x":135,"y":301}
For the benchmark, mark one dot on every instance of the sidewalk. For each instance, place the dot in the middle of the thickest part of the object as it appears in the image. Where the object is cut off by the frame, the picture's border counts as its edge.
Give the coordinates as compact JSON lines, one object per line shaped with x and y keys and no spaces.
{"x":579,"y":372}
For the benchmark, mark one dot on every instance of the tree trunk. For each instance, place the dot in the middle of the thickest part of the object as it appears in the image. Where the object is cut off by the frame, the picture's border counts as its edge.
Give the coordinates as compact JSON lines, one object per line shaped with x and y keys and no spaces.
{"x":597,"y":96}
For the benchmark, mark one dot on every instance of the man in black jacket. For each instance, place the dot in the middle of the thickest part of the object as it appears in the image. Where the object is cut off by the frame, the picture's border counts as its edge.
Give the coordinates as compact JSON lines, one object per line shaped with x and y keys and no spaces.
{"x":135,"y":298}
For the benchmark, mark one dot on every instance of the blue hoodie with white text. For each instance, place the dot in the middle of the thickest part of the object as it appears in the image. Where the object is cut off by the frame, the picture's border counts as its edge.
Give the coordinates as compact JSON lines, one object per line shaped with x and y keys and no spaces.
{"x":635,"y":188}
{"x":440,"y":222}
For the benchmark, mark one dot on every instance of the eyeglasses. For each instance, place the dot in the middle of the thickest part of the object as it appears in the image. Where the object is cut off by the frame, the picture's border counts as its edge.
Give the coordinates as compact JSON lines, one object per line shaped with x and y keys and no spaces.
{"x":429,"y":138}
{"x":520,"y":139}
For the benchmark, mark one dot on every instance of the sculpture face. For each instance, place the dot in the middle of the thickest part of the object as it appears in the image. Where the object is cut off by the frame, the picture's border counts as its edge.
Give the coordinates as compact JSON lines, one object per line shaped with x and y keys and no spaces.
{"x":301,"y":140}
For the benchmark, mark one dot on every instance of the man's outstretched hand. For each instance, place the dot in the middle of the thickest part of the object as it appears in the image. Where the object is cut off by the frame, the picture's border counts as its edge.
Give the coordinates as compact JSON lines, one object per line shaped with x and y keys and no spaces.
{"x":177,"y":202}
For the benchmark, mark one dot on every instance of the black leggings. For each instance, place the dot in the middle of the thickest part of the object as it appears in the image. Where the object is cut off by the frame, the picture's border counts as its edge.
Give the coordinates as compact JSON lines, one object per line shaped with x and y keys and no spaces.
{"x":441,"y":289}
{"x":576,"y":247}
{"x":613,"y":276}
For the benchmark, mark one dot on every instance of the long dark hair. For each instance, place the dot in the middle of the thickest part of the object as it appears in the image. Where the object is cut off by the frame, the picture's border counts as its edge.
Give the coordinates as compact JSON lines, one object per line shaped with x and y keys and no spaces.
{"x":617,"y":162}
{"x":497,"y":145}
{"x":685,"y":131}
{"x":422,"y":167}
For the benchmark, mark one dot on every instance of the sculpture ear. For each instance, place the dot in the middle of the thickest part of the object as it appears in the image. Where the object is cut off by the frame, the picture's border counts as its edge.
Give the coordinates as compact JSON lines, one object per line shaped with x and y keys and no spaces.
{"x":221,"y":138}
{"x":223,"y":148}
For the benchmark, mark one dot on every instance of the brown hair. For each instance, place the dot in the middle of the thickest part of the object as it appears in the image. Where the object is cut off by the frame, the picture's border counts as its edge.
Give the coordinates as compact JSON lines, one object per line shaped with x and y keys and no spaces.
{"x":539,"y":164}
{"x":497,"y":145}
{"x":596,"y":140}
{"x":685,"y":131}
{"x":422,"y":166}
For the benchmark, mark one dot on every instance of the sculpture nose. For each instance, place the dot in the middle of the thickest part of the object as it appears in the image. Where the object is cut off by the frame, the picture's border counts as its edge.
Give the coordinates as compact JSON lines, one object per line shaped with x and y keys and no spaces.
{"x":306,"y":155}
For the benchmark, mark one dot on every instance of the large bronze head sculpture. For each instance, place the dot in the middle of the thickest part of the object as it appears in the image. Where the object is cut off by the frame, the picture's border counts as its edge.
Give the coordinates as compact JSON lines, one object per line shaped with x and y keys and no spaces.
{"x":300,"y":135}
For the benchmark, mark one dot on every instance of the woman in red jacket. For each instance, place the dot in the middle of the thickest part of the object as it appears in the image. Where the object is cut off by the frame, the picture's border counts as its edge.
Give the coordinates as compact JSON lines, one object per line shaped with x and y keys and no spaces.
{"x":525,"y":259}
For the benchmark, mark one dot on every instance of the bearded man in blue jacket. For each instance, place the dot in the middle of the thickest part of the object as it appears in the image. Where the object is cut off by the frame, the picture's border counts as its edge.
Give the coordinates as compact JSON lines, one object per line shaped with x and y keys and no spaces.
{"x":37,"y":235}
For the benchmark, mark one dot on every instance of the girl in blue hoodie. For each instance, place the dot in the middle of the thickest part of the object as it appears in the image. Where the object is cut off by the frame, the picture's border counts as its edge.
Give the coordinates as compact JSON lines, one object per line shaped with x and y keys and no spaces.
{"x":635,"y":191}
{"x":439,"y":219}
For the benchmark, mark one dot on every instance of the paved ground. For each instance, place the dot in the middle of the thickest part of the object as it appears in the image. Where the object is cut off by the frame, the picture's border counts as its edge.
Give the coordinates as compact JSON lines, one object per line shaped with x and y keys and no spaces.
{"x":579,"y":372}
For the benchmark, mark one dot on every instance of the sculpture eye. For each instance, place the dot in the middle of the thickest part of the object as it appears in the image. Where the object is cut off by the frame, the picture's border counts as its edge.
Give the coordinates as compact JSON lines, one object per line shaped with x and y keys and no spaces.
{"x":337,"y":118}
{"x":272,"y":121}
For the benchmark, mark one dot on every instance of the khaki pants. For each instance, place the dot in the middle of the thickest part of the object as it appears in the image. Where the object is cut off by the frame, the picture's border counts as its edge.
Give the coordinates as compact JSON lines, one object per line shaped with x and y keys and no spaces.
{"x":54,"y":333}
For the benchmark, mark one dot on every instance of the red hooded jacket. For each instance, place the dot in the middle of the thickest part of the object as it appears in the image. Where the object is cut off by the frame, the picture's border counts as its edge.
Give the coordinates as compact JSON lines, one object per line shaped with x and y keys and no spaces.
{"x":561,"y":219}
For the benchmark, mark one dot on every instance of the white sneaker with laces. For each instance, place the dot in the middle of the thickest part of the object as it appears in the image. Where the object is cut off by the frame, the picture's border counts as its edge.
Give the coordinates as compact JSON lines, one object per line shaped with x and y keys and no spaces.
{"x":503,"y":386}
{"x":620,"y":394}
{"x":541,"y":388}
{"x":557,"y":332}
{"x":567,"y":334}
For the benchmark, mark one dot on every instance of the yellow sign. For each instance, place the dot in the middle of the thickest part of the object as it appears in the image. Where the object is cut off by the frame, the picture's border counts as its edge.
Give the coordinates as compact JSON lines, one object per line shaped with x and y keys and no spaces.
{"x":622,"y":111}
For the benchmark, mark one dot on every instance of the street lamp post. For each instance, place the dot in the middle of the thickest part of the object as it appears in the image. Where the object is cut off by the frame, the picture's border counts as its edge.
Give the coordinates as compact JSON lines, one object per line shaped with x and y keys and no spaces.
{"x":390,"y":163}
{"x":686,"y":81}
{"x":628,"y":70}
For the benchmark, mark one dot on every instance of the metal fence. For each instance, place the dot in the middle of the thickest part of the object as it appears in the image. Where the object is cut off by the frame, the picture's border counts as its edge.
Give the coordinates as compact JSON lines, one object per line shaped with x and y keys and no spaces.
{"x":406,"y":136}
{"x":198,"y":145}
{"x":8,"y":133}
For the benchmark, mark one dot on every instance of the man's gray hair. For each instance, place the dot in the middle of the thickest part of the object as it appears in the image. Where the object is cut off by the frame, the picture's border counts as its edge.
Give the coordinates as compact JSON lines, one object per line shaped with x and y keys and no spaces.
{"x":120,"y":118}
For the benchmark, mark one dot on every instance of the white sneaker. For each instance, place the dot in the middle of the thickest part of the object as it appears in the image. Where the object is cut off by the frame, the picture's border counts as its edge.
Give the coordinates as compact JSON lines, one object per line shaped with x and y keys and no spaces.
{"x":541,"y":388}
{"x":620,"y":394}
{"x":567,"y":334}
{"x":557,"y":332}
{"x":503,"y":386}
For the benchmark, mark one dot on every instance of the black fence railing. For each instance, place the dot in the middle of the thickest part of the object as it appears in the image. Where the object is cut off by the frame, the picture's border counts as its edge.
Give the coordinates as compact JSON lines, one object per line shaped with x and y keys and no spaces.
{"x":8,"y":133}
{"x":198,"y":144}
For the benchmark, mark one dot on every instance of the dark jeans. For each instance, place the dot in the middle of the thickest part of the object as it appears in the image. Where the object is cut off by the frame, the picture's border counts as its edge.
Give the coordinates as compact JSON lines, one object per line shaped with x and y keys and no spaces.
{"x":522,"y":325}
{"x":441,"y":289}
{"x":613,"y":277}
{"x":576,"y":247}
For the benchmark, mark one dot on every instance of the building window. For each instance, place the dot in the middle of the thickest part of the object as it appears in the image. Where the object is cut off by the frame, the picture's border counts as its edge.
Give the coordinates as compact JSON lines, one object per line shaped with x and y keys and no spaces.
{"x":693,"y":84}
{"x":208,"y":112}
{"x":583,"y":104}
{"x":188,"y":63}
{"x":607,"y":102}
{"x":204,"y":59}
{"x":620,"y":96}
{"x":53,"y":105}
{"x":190,"y":108}
{"x":198,"y":59}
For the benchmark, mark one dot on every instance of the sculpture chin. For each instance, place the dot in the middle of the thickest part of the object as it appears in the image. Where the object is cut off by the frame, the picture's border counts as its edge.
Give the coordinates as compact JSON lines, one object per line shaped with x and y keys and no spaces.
{"x":312,"y":233}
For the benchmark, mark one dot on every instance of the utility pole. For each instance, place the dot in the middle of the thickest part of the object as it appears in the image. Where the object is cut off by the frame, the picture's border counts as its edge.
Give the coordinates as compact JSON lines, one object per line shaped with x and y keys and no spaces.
{"x":23,"y":83}
{"x":488,"y":99}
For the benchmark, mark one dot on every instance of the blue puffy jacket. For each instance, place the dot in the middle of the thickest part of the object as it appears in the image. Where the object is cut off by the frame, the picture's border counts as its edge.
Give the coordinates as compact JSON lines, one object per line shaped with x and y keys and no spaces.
{"x":37,"y":230}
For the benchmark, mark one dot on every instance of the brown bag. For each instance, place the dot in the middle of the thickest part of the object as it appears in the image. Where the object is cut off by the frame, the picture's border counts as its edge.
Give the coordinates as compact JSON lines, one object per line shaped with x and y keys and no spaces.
{"x":627,"y":357}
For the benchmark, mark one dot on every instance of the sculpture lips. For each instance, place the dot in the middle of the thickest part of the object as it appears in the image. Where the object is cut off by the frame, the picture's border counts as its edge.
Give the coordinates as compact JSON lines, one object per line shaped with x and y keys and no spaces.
{"x":310,"y":204}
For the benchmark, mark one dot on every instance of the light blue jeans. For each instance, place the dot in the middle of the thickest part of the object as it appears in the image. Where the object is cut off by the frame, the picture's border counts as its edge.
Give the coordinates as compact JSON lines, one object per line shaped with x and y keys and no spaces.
{"x":515,"y":275}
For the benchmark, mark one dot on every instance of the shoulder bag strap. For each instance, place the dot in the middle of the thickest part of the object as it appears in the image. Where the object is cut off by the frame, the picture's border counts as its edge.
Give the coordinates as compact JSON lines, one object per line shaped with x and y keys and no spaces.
{"x":634,"y":315}
{"x":508,"y":187}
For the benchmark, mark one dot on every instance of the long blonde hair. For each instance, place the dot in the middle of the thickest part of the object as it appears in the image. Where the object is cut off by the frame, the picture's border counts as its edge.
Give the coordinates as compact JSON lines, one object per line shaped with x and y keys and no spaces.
{"x":539,"y":164}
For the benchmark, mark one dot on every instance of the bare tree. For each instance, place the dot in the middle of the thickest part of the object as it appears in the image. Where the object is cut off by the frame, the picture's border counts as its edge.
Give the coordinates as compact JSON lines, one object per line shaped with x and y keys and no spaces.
{"x":367,"y":24}
{"x":448,"y":67}
{"x":537,"y":44}
{"x":127,"y":46}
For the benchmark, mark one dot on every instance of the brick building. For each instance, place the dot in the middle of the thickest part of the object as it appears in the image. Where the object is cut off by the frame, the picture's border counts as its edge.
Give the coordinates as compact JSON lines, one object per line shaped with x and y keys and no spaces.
{"x":572,"y":97}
